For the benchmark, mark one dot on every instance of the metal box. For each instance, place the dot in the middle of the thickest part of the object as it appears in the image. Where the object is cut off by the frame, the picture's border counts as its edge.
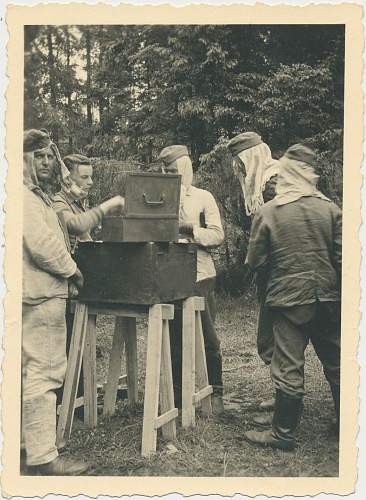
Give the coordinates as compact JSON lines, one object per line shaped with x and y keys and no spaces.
{"x":151,"y":210}
{"x":136,"y":273}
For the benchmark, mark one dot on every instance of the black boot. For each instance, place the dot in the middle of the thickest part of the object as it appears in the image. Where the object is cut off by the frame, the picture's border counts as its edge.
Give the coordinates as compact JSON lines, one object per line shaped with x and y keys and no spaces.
{"x":335,"y":389}
{"x":286,"y":419}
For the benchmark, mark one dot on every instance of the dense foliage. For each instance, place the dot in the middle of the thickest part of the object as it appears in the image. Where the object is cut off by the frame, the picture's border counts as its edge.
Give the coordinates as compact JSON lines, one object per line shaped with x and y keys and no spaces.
{"x":121,"y":93}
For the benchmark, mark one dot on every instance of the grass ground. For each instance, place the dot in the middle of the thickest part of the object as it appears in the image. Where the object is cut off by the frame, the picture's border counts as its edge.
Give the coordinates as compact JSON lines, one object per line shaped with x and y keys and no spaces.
{"x":215,"y":446}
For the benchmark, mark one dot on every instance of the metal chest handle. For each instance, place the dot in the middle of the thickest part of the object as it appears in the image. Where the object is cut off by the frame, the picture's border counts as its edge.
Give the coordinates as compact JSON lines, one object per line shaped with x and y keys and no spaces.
{"x":159,"y":203}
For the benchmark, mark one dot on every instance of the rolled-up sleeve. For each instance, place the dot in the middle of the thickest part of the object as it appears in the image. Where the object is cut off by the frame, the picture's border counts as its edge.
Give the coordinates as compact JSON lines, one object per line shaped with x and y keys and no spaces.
{"x":47,"y":251}
{"x":212,"y":235}
{"x":258,"y":249}
{"x":78,"y":224}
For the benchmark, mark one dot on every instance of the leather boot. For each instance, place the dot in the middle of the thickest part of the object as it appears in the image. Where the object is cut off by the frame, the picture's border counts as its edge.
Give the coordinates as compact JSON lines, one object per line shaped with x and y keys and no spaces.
{"x":60,"y":466}
{"x":286,"y":419}
{"x":263,"y":421}
{"x":217,"y":404}
{"x":335,"y":389}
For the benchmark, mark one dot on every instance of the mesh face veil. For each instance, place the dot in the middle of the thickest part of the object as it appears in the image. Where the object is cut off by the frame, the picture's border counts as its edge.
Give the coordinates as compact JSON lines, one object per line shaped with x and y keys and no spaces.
{"x":254,"y":167}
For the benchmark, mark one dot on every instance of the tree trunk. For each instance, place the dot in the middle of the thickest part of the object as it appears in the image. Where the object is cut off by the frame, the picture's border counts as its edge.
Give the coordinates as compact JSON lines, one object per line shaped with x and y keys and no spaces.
{"x":88,"y":78}
{"x":51,"y":76}
{"x":68,"y":91}
{"x":100,"y":99}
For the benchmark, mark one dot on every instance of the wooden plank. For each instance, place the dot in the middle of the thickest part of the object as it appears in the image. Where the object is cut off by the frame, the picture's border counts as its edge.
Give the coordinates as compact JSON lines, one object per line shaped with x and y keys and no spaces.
{"x":133,"y":311}
{"x":166,"y":385}
{"x":188,"y":363}
{"x":166,"y":418}
{"x":72,"y":374}
{"x":79,"y":402}
{"x":121,"y":380}
{"x":201,"y":366}
{"x":90,"y":373}
{"x":167,"y":311}
{"x":199,"y":303}
{"x":114,"y":369}
{"x":130,"y":338}
{"x":152,"y":380}
{"x":203,"y":393}
{"x":125,"y":312}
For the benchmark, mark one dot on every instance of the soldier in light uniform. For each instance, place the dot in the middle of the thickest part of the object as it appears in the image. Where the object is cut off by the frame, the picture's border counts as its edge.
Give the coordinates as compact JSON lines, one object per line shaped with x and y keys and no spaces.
{"x":47,"y":267}
{"x":199,"y":222}
{"x":71,"y":205}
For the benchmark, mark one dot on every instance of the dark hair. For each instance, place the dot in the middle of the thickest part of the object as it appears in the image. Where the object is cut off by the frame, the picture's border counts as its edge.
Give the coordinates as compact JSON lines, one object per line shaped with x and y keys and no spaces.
{"x":73,"y":161}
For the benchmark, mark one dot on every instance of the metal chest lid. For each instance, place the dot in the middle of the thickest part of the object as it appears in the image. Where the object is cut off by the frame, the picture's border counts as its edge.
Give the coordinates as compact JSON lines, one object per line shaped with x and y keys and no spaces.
{"x":152,"y":195}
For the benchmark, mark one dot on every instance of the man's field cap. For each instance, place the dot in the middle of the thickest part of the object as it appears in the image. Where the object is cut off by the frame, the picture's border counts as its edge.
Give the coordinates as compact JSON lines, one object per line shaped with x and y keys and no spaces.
{"x":172,"y":153}
{"x":302,"y":153}
{"x":243,"y":141}
{"x":33,"y":140}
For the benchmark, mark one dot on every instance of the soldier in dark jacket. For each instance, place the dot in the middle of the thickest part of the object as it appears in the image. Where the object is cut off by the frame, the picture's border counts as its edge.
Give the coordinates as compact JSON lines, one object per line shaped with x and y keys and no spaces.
{"x":295,"y":246}
{"x":257,"y":171}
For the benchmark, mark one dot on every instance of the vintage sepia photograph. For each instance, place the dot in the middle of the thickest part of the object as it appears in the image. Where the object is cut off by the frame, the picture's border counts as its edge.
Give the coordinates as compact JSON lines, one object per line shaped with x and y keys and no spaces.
{"x":247,"y":123}
{"x":182,"y":206}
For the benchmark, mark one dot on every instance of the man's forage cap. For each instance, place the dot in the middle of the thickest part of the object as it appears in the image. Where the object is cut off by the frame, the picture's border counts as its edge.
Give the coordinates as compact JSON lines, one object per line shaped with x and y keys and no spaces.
{"x":243,"y":141}
{"x":33,"y":140}
{"x":302,"y":153}
{"x":172,"y":153}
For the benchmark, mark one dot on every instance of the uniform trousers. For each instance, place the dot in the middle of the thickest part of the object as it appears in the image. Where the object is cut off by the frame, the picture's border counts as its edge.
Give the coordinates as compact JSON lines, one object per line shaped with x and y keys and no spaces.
{"x":43,"y":371}
{"x":265,"y":338}
{"x":293,"y":328}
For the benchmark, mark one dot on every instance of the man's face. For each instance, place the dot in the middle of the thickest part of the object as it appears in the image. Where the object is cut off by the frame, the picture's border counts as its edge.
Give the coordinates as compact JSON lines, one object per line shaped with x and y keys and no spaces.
{"x":82,"y":175}
{"x":43,"y":161}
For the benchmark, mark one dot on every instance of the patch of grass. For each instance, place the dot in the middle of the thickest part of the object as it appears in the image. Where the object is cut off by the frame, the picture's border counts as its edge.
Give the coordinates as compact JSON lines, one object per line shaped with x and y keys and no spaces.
{"x":215,"y":446}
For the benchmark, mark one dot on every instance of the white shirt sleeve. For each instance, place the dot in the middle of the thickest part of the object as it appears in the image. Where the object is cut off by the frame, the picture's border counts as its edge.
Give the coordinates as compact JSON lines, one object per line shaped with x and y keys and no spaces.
{"x":213,"y":234}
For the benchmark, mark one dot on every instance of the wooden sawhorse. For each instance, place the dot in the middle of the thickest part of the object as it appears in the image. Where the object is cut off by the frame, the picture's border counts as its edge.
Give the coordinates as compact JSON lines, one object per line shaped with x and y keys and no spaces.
{"x":158,"y":379}
{"x":195,"y":387}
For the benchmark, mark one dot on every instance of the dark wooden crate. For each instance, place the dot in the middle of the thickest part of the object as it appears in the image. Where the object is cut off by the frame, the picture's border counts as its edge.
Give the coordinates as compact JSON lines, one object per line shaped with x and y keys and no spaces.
{"x":151,"y":210}
{"x":129,"y":229}
{"x":136,"y":273}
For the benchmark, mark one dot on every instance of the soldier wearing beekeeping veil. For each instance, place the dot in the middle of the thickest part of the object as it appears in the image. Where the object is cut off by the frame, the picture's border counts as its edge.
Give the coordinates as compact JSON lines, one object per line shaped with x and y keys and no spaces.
{"x":254,"y":167}
{"x":257,"y":172}
{"x":296,"y":243}
{"x":200,"y":223}
{"x":47,"y":267}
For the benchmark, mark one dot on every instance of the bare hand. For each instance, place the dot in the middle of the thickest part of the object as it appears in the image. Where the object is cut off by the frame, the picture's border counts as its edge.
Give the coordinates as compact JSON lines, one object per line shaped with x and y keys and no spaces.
{"x":115,"y":202}
{"x":77,"y":279}
{"x":73,"y":291}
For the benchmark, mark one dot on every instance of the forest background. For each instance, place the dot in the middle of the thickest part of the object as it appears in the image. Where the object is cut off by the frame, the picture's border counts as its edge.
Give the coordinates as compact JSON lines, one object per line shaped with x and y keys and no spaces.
{"x":120,"y":93}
